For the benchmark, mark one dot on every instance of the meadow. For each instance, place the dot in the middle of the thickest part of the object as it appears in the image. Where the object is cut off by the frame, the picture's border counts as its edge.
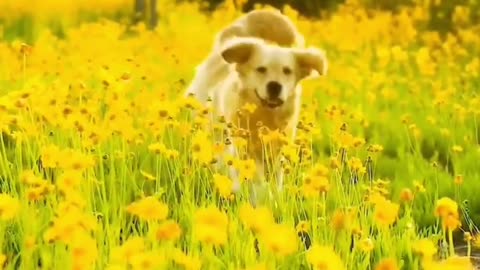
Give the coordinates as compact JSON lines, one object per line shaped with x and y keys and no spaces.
{"x":102,"y":165}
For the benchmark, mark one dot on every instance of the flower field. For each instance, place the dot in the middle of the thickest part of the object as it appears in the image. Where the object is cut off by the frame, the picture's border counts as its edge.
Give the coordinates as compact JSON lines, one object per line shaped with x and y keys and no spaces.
{"x":104,"y":166}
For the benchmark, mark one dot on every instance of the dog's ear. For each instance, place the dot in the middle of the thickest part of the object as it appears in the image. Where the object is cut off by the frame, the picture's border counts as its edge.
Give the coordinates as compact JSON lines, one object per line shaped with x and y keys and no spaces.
{"x":309,"y":60}
{"x":239,"y":50}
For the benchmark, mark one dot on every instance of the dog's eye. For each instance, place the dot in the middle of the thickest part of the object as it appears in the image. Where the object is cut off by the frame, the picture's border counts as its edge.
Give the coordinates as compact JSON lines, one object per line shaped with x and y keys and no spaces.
{"x":262,"y":70}
{"x":287,"y":71}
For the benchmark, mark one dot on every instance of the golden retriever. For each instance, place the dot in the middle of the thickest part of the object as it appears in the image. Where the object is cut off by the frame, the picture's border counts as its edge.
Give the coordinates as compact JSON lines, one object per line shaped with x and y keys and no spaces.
{"x":259,"y":59}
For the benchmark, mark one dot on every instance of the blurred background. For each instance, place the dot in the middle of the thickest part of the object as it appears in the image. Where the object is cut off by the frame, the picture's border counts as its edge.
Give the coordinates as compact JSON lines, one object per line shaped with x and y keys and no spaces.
{"x":18,"y":18}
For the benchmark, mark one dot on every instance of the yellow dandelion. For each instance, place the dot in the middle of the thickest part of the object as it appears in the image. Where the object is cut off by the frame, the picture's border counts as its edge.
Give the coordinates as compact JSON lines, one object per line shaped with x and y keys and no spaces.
{"x":256,"y":219}
{"x":425,"y":247}
{"x":9,"y":207}
{"x":387,"y":264}
{"x":210,"y":226}
{"x":169,"y":230}
{"x":223,"y":184}
{"x":366,"y":245}
{"x":280,"y":239}
{"x":324,"y":258}
{"x":149,"y":209}
{"x":386,"y":213}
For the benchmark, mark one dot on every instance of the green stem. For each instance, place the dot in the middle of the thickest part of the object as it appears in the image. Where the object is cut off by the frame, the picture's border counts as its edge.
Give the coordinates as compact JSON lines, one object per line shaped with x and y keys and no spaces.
{"x":469,"y":249}
{"x":450,"y":243}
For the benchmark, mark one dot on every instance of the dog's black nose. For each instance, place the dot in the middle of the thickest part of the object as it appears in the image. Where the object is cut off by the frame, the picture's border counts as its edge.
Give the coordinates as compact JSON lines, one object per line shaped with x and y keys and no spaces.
{"x":273,"y":89}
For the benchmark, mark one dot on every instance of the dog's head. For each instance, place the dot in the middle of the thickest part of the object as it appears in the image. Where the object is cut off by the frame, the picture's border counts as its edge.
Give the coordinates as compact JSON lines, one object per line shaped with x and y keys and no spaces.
{"x":269,"y":72}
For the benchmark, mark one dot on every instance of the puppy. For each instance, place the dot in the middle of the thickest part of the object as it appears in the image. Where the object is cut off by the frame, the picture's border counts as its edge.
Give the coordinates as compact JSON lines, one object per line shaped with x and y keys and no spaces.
{"x":251,"y":69}
{"x":269,"y":25}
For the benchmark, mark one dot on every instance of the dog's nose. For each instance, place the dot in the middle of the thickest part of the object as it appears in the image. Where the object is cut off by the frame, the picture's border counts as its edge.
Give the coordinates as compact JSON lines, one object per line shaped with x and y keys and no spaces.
{"x":274,"y":89}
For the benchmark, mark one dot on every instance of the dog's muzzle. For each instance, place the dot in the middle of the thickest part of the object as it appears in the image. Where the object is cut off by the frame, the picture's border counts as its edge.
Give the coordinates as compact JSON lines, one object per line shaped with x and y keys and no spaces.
{"x":271,"y":102}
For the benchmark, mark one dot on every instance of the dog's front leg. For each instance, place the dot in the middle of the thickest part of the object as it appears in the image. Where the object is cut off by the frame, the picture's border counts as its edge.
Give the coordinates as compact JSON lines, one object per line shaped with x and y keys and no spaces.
{"x":258,"y":189}
{"x":256,"y":186}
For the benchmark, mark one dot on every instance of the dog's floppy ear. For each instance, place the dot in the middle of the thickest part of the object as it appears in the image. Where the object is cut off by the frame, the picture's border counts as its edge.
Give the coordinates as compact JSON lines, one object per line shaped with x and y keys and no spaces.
{"x":239,"y":50}
{"x":310,"y":60}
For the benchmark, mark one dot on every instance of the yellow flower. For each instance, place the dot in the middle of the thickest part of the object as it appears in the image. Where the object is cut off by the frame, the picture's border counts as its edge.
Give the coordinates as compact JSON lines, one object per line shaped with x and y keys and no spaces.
{"x":406,"y":195}
{"x":188,"y":262}
{"x":27,"y":177}
{"x":315,"y":186}
{"x":280,"y":239}
{"x":149,"y":209}
{"x":69,"y":181}
{"x":424,"y":62}
{"x":366,"y":245}
{"x":69,"y":223}
{"x":190,"y":102}
{"x":324,"y":258}
{"x":451,"y":263}
{"x":256,"y":219}
{"x":356,"y":166}
{"x":145,"y":260}
{"x":71,"y":159}
{"x":358,"y":142}
{"x":168,"y":231}
{"x":272,"y":136}
{"x":246,"y":168}
{"x":303,"y":226}
{"x":130,"y":248}
{"x":425,"y":247}
{"x":345,"y":140}
{"x":37,"y":188}
{"x":457,"y":149}
{"x":290,"y":152}
{"x":339,"y":220}
{"x":383,"y":56}
{"x":461,"y":15}
{"x":84,"y":252}
{"x":50,"y":156}
{"x":334,"y":163}
{"x":157,"y":148}
{"x":202,"y":148}
{"x":319,"y":170}
{"x":249,"y":107}
{"x":399,"y":54}
{"x":210,"y":226}
{"x":451,"y":223}
{"x":3,"y":260}
{"x":223,"y":184}
{"x":387,"y":264}
{"x":446,"y":207}
{"x":419,"y":187}
{"x":458,"y":180}
{"x":386,"y":213}
{"x":9,"y":207}
{"x":259,"y":266}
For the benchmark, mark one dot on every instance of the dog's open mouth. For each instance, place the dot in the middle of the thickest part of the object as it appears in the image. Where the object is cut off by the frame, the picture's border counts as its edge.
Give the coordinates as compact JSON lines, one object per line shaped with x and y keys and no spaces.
{"x":271,"y":103}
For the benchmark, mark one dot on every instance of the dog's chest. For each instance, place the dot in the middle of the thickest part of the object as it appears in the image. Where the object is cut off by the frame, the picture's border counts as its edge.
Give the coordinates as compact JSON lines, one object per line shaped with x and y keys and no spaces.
{"x":272,"y":119}
{"x":263,"y":120}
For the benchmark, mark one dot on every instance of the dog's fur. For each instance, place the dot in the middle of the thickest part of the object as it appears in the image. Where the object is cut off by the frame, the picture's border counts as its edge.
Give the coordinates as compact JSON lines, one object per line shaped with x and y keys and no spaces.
{"x":259,"y":59}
